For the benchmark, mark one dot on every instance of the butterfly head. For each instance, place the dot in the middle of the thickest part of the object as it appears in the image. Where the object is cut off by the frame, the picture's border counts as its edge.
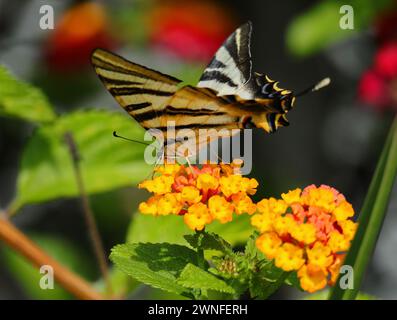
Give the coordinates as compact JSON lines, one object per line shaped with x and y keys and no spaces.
{"x":273,"y":102}
{"x":271,"y":95}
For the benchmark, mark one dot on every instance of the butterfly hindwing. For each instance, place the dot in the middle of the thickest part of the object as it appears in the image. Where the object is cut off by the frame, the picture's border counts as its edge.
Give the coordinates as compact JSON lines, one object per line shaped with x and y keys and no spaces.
{"x":230,"y":71}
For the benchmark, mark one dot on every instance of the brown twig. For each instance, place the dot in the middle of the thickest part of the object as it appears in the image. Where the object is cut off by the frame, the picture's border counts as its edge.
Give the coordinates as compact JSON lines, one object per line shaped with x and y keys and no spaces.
{"x":88,"y":213}
{"x":67,"y":279}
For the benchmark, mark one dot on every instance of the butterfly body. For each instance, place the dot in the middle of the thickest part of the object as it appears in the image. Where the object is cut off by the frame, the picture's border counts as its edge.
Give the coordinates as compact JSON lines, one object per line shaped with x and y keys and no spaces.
{"x":228,"y":96}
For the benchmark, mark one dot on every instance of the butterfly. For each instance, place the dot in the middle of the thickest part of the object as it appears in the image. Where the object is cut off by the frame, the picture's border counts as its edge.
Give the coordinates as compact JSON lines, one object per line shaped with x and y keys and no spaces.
{"x":229,"y":95}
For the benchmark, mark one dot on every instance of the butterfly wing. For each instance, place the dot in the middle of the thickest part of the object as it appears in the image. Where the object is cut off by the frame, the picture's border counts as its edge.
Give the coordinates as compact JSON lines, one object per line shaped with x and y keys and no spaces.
{"x":139,"y":90}
{"x":230,"y":75}
{"x":197,"y":109}
{"x":155,"y":100}
{"x":230,"y":71}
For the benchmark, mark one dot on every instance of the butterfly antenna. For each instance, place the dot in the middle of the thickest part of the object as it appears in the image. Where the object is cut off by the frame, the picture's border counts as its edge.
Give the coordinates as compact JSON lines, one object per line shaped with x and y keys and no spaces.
{"x":132,"y":140}
{"x":319,"y":85}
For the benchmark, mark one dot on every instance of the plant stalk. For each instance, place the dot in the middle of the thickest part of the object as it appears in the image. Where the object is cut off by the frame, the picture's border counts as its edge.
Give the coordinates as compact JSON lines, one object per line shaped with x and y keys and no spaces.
{"x":88,"y":214}
{"x":67,"y":279}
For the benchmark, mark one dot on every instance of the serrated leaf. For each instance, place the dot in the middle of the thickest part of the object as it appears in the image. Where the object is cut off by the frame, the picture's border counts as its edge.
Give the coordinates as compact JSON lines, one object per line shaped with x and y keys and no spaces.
{"x":261,"y":287}
{"x":157,"y":265}
{"x":266,"y":280}
{"x":269,"y":271}
{"x":251,"y":251}
{"x":293,"y":280}
{"x":107,"y":163}
{"x":172,"y":229}
{"x":208,"y":241}
{"x":195,"y":278}
{"x":21,"y":100}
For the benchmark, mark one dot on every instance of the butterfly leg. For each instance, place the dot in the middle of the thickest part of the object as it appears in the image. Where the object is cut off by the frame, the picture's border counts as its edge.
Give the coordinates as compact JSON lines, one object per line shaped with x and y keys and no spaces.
{"x":160,"y":159}
{"x":216,"y":154}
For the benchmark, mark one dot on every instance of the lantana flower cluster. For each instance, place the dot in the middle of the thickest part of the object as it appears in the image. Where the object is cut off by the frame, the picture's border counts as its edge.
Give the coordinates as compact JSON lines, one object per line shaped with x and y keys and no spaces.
{"x":200,"y":195}
{"x":306,"y":231}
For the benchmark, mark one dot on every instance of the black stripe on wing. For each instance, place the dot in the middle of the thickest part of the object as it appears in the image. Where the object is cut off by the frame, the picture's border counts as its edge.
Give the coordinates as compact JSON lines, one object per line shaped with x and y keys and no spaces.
{"x":230,"y":71}
{"x":197,"y":126}
{"x":185,"y":111}
{"x":182,"y":112}
{"x":136,"y":90}
{"x":135,"y":87}
{"x":218,"y":76}
{"x":113,"y":62}
{"x":239,"y":47}
{"x":137,"y":106}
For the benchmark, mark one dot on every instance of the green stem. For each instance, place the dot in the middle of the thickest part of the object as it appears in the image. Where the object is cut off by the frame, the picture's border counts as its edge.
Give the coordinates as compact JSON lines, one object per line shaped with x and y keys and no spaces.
{"x":201,"y":262}
{"x":200,"y":250}
{"x":89,"y":214}
{"x":200,"y":258}
{"x":372,"y":216}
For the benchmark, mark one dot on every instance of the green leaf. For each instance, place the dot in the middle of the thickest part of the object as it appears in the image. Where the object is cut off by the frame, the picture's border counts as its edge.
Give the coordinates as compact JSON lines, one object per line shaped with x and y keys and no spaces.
{"x":251,"y":251}
{"x":293,"y":280}
{"x":28,"y":276}
{"x":146,"y":228}
{"x":371,"y":217}
{"x":319,"y":27}
{"x":107,"y":163}
{"x":208,"y":241}
{"x":195,"y":278}
{"x":157,"y":265}
{"x":266,"y":281}
{"x":21,"y":100}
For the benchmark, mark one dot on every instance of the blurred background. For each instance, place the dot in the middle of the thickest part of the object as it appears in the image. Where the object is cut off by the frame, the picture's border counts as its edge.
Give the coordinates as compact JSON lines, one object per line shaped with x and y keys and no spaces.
{"x":335,"y":135}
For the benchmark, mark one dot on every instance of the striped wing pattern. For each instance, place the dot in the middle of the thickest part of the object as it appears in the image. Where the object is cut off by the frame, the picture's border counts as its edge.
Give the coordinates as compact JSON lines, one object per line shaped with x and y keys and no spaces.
{"x":155,"y":99}
{"x":229,"y":94}
{"x":139,"y":90}
{"x":230,"y":71}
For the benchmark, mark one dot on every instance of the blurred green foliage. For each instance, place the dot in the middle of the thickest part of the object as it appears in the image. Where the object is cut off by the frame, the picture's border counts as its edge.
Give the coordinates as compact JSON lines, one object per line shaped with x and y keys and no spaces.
{"x":46,"y":169}
{"x":46,"y":174}
{"x":21,"y":100}
{"x":318,"y":27}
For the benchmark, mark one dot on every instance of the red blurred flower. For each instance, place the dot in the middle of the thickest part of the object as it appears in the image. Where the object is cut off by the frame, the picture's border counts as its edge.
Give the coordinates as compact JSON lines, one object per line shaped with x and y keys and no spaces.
{"x":372,"y":89}
{"x":378,"y":86}
{"x":190,"y":29}
{"x":386,"y":60}
{"x":81,"y":29}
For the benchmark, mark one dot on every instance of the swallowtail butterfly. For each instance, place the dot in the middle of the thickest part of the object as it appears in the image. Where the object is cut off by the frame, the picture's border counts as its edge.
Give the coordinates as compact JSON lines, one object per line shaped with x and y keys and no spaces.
{"x":229,"y":94}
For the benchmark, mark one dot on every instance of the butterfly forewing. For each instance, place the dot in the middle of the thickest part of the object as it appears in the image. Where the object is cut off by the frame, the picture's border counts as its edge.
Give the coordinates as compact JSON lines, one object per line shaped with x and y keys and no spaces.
{"x":155,"y":100}
{"x":139,"y":90}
